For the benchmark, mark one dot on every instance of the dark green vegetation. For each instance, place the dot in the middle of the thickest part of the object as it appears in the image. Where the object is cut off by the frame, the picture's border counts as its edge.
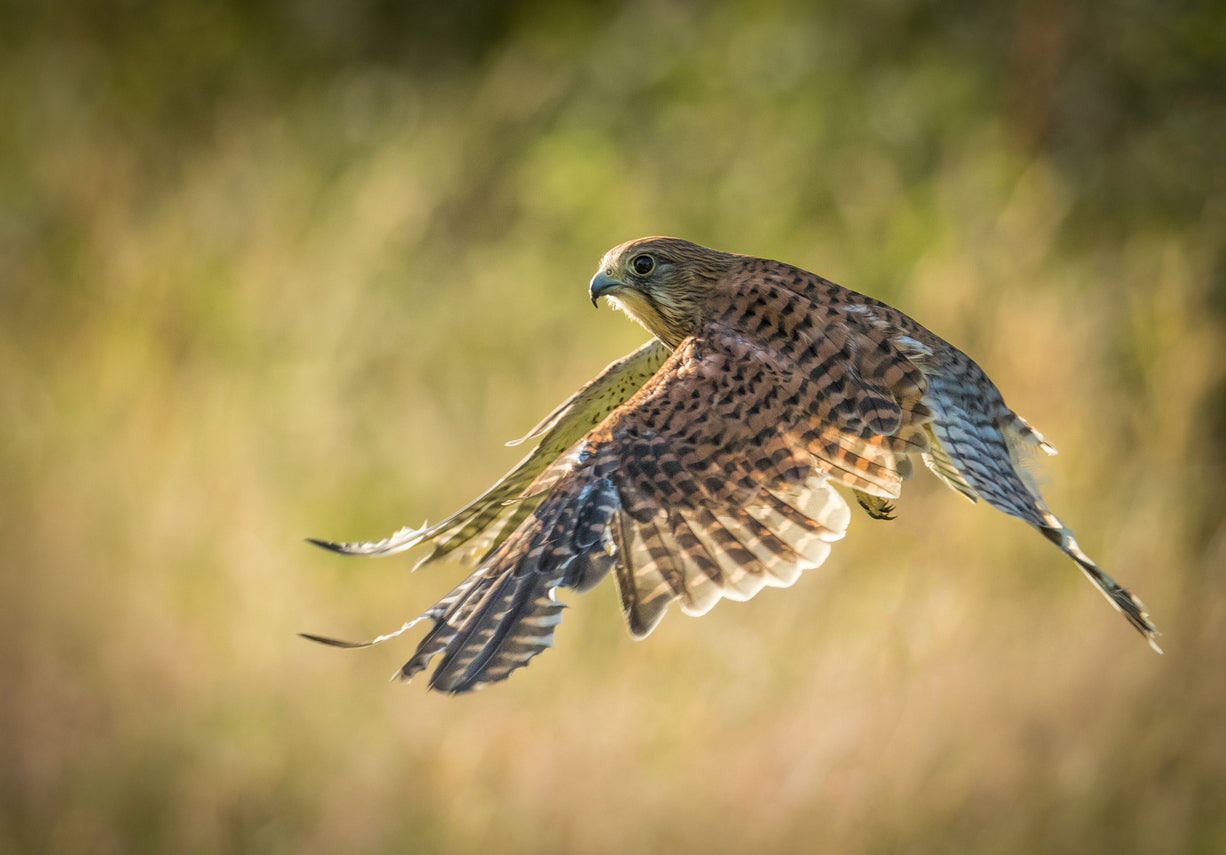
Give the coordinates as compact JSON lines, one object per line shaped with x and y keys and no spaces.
{"x":301,"y":271}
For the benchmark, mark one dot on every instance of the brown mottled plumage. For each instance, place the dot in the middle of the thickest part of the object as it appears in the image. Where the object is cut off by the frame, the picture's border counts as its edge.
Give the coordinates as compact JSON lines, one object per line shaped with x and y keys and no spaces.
{"x":702,"y":465}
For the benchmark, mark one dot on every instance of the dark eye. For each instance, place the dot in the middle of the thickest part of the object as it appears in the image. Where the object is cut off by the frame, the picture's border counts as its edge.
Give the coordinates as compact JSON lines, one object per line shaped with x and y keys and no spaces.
{"x":643,"y":264}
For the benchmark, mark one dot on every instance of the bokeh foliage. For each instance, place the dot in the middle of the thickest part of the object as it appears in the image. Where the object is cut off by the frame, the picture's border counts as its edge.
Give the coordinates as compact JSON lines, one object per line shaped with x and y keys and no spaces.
{"x":299,"y":268}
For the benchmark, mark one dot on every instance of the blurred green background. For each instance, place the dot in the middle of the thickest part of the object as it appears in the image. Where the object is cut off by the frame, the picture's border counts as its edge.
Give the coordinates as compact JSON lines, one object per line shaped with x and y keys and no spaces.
{"x":300,"y":269}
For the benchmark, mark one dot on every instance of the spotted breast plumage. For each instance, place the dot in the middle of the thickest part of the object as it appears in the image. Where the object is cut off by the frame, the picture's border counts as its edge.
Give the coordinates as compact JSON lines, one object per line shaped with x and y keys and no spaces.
{"x":705,"y":464}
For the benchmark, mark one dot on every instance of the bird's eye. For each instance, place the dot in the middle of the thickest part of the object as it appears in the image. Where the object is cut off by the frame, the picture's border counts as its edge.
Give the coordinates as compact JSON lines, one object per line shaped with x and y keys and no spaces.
{"x":643,"y":264}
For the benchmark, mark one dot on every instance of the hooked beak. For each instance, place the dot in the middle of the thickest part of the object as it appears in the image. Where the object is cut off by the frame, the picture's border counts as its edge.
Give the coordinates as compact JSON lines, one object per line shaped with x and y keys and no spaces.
{"x":603,"y":283}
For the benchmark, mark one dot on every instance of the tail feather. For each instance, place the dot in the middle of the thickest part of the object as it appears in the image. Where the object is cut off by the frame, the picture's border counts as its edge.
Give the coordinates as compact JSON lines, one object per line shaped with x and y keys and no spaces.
{"x":979,"y":447}
{"x":1120,"y":597}
{"x":940,"y":464}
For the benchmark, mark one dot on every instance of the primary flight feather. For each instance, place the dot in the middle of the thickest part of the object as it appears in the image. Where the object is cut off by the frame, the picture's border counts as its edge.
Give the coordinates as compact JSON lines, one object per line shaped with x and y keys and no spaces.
{"x":704,"y":464}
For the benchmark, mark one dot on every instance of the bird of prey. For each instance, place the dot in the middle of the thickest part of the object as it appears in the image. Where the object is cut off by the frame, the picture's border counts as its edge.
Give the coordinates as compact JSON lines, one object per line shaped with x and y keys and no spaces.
{"x":705,"y":463}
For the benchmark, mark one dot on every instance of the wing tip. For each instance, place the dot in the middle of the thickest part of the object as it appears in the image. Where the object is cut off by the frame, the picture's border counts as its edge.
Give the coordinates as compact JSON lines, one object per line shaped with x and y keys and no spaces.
{"x":330,"y":545}
{"x":334,"y":642}
{"x":399,"y":541}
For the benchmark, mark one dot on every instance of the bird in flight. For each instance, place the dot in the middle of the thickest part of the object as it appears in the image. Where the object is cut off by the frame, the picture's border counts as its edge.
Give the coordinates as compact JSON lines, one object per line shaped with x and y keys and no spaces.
{"x":705,"y":463}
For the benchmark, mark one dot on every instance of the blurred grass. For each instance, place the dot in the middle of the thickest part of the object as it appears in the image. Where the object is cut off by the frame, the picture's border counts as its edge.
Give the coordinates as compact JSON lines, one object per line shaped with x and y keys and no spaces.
{"x":301,"y":270}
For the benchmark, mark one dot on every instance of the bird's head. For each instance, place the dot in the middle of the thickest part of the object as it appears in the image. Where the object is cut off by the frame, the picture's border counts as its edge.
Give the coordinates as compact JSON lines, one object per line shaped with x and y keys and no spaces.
{"x":661,"y":282}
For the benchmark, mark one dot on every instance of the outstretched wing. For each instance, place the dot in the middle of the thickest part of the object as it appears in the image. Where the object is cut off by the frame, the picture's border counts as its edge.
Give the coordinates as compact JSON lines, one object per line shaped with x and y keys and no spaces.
{"x":489,"y":519}
{"x":702,"y":485}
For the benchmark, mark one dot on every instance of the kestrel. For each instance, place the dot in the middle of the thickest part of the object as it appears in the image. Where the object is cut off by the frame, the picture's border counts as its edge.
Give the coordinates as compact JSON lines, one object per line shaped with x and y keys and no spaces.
{"x":704,"y":464}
